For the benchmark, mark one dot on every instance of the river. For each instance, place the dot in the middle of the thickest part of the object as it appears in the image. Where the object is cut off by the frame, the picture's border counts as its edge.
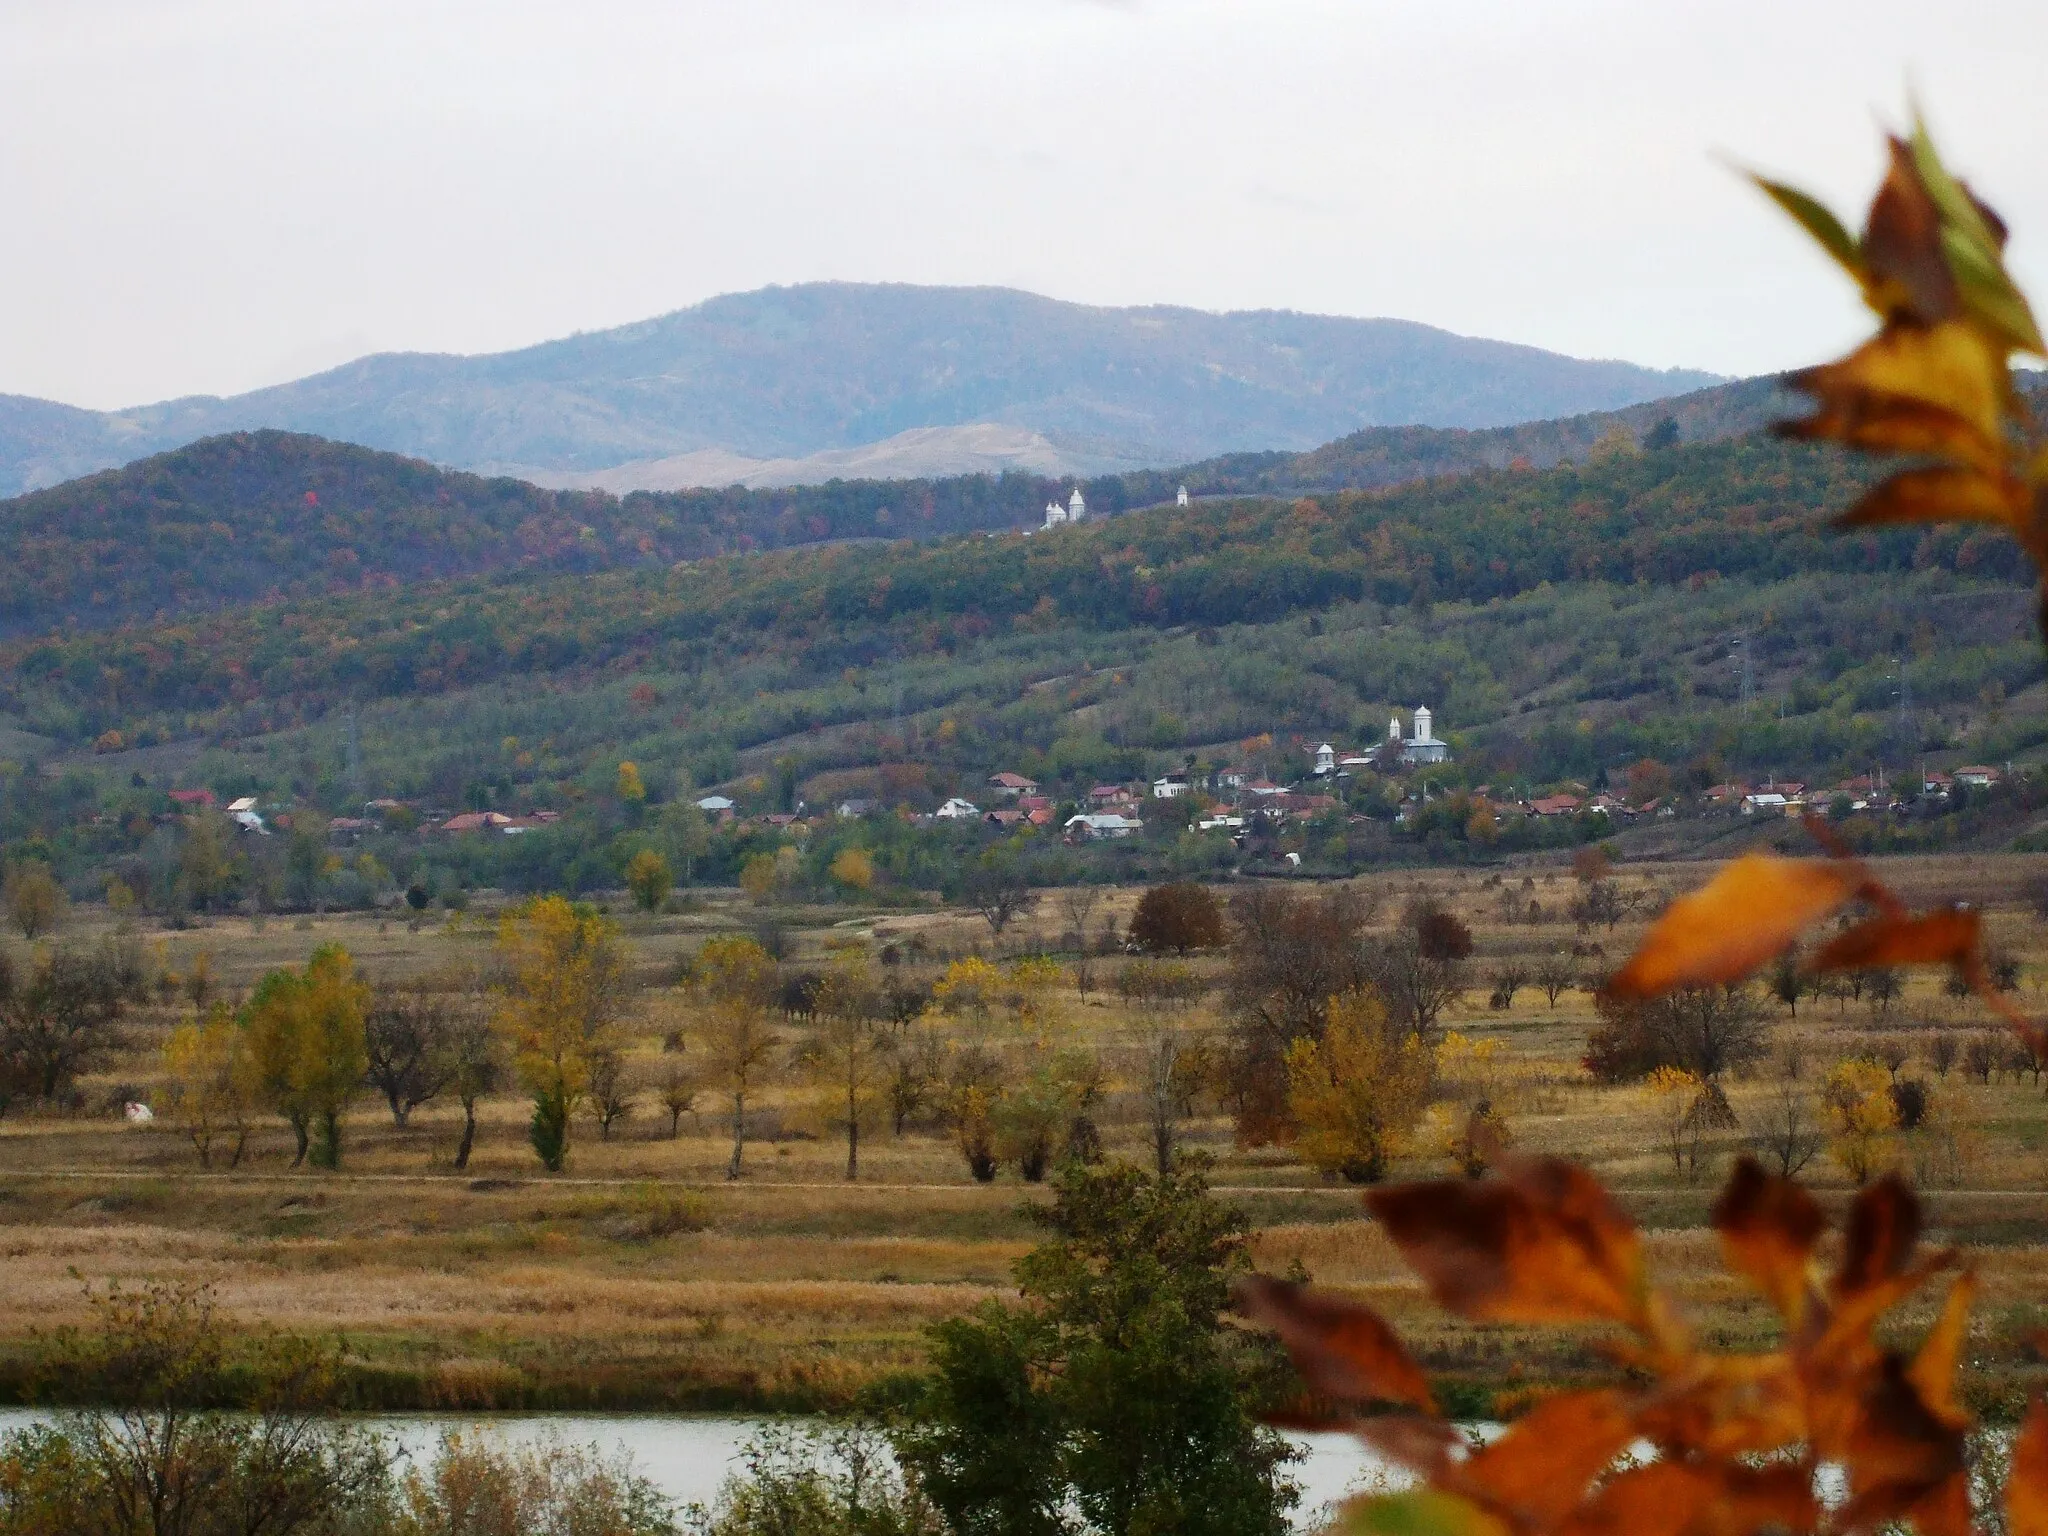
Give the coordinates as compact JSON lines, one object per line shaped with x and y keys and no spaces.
{"x":689,"y":1457}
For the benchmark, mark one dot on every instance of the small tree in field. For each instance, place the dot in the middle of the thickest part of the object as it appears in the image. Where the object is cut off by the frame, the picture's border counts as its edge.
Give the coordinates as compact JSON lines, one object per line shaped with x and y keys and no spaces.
{"x":1357,"y":1093}
{"x":1180,"y":917}
{"x":1862,"y":1117}
{"x":648,"y":878}
{"x":213,"y":1083}
{"x":306,"y":1035}
{"x":35,"y":901}
{"x":734,"y":982}
{"x":565,"y":988}
{"x":849,"y":1054}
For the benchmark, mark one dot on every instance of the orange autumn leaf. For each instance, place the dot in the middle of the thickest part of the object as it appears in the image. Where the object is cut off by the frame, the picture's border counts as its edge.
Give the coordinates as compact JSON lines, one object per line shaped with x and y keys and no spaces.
{"x":1542,"y":1465}
{"x":1884,"y":1228}
{"x":1539,"y":1242}
{"x":2026,"y":1484}
{"x":1935,"y":938}
{"x":1661,"y":1499}
{"x":1933,"y":1371}
{"x":1747,"y":914}
{"x":1343,"y":1351}
{"x":1769,"y":1228}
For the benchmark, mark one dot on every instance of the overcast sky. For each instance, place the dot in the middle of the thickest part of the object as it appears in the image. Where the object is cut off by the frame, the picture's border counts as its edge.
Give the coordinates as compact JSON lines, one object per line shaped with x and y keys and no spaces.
{"x":202,"y":196}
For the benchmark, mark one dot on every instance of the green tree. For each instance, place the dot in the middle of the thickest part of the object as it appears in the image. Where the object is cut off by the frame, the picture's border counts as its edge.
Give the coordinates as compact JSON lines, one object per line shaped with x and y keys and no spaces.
{"x":305,"y":1031}
{"x":565,"y":987}
{"x":1116,"y":1393}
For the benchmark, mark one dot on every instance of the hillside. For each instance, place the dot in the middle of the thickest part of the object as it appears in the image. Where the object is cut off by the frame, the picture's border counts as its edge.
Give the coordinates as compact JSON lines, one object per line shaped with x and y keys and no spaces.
{"x":251,"y":516}
{"x":1742,"y":509}
{"x":1566,"y":625}
{"x":788,"y":372}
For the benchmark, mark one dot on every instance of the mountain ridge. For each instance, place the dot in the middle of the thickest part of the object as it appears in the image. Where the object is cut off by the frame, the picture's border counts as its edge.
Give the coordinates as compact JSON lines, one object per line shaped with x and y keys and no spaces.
{"x":790,"y":371}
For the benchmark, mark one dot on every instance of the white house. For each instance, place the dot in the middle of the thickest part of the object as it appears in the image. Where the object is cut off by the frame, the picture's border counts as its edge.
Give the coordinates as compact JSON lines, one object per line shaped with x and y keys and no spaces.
{"x":1326,"y":760}
{"x":1170,"y":786}
{"x":957,"y":809}
{"x":1103,"y":824}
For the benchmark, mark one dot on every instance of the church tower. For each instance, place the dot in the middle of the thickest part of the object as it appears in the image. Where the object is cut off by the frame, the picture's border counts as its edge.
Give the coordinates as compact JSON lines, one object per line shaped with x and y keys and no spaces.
{"x":1077,"y":508}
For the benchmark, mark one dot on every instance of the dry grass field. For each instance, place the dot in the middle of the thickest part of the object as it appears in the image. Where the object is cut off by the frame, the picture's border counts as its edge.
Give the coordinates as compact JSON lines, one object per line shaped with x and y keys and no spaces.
{"x":642,"y":1277}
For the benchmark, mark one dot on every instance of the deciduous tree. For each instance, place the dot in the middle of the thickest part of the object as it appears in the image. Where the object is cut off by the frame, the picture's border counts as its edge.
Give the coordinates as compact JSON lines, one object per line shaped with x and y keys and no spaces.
{"x":733,"y":982}
{"x":1178,"y":918}
{"x":213,"y":1081}
{"x":35,"y":901}
{"x":565,"y":986}
{"x":306,"y":1035}
{"x":1357,"y":1093}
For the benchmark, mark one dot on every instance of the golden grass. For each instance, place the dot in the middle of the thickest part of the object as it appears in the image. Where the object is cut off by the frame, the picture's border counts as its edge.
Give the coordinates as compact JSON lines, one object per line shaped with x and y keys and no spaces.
{"x":500,"y":1286}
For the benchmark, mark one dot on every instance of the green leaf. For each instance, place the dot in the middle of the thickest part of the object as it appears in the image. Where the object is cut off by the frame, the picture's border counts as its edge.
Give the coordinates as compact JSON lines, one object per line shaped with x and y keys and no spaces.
{"x":1974,"y":250}
{"x":1814,"y":217}
{"x":1421,"y":1512}
{"x":1988,"y":293}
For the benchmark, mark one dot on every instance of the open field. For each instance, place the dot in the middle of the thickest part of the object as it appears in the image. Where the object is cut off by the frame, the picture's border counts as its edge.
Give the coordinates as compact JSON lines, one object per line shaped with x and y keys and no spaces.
{"x":642,"y":1277}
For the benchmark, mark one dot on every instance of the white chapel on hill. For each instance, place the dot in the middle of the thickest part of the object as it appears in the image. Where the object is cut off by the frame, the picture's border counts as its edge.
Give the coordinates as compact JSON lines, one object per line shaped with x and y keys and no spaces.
{"x":1074,"y":511}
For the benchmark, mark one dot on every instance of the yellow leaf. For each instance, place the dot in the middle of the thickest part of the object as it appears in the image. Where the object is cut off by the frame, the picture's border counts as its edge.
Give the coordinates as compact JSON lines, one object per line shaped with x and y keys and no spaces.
{"x":1914,"y":389}
{"x":1944,"y":496}
{"x":1744,"y":916}
{"x":1422,"y":1512}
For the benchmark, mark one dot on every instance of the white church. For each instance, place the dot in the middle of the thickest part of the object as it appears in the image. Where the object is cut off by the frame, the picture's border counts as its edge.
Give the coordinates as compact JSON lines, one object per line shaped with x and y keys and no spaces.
{"x":1421,"y":747}
{"x":1074,"y":511}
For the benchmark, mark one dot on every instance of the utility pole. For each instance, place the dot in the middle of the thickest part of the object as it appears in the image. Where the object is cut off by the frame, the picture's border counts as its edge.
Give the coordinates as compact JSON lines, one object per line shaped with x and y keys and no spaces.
{"x":353,"y":758}
{"x":1738,"y":652}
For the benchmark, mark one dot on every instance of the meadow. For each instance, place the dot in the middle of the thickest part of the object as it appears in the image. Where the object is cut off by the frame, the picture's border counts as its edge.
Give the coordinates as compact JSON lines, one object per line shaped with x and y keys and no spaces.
{"x":643,"y":1277}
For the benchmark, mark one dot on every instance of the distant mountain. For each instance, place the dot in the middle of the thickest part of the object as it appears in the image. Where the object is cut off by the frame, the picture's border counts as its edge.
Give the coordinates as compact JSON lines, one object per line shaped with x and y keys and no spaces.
{"x":786,"y":373}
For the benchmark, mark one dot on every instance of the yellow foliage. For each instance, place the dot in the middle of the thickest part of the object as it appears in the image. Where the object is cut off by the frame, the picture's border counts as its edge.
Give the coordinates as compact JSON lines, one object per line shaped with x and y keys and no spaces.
{"x":564,"y":990}
{"x":1356,"y":1095}
{"x":1856,"y":1103}
{"x":631,"y":789}
{"x":214,"y":1081}
{"x":855,"y":868}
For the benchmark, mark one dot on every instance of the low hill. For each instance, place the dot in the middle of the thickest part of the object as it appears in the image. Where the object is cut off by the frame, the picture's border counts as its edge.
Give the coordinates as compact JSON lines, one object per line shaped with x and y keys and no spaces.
{"x":1744,"y":508}
{"x":789,"y":372}
{"x":250,"y":516}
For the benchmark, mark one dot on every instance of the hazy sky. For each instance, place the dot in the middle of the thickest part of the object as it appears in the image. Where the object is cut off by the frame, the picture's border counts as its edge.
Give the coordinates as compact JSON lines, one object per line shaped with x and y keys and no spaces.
{"x":208,"y":195}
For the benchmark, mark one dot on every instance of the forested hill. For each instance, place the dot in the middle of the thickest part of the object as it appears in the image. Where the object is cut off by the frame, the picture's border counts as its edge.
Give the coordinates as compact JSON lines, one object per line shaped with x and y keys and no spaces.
{"x":1750,"y":508}
{"x":264,"y":515}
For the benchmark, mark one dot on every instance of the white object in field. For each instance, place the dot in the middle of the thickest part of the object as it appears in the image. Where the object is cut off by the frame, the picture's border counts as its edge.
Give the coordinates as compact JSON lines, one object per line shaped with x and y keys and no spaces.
{"x":138,"y":1114}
